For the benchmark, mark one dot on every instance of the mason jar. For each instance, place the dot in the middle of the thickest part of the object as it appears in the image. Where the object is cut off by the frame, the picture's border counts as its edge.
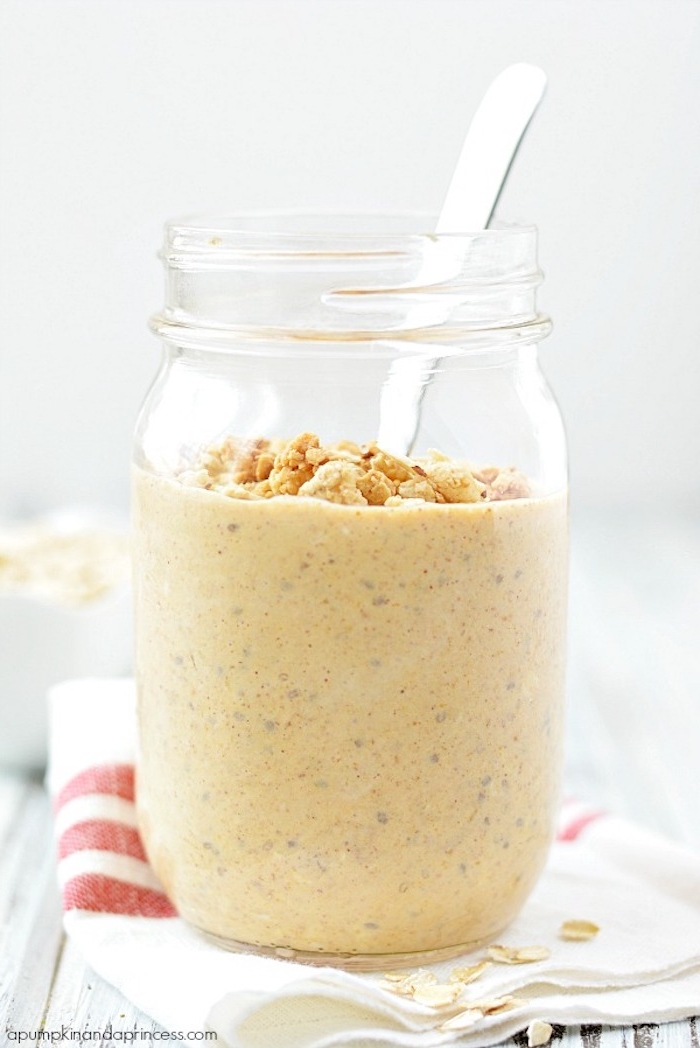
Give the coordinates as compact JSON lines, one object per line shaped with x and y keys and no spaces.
{"x":350,"y":545}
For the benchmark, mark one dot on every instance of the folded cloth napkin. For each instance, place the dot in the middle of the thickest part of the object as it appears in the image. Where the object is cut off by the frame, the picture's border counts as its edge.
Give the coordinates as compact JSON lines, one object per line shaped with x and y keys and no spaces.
{"x":642,"y":892}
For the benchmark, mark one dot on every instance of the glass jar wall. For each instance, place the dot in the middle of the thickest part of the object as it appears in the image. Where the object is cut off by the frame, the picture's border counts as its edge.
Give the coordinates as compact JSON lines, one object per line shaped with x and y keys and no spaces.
{"x":350,"y":575}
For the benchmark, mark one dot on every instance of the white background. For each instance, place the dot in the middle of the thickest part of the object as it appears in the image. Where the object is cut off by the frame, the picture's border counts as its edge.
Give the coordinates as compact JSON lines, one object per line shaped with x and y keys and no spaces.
{"x":117,"y":115}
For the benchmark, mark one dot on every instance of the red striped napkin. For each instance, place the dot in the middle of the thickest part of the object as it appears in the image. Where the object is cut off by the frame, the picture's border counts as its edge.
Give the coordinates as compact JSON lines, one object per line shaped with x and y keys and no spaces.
{"x":95,"y":814}
{"x":643,"y":892}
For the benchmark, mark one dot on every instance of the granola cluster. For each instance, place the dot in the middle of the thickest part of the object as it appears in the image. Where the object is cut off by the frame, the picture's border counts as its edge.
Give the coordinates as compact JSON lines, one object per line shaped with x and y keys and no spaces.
{"x":347,"y":473}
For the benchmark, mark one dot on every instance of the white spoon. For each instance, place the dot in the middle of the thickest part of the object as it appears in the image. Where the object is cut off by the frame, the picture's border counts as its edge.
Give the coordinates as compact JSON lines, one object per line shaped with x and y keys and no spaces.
{"x":496,"y":131}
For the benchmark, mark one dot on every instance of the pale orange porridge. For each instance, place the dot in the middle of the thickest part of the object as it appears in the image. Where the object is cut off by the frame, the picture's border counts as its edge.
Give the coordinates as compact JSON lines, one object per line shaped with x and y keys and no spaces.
{"x":350,"y":707}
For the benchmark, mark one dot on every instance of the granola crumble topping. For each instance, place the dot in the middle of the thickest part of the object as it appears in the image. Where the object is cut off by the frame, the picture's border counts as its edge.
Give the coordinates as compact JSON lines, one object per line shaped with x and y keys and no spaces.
{"x":345,"y":473}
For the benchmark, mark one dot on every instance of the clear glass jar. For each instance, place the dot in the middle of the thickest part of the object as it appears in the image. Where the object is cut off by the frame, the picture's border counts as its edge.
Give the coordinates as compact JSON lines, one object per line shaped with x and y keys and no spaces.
{"x":349,"y":517}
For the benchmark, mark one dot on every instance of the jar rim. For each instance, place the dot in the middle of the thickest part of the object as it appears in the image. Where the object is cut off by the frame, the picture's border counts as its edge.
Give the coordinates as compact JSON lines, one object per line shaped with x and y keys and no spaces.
{"x":339,"y":275}
{"x":318,"y":231}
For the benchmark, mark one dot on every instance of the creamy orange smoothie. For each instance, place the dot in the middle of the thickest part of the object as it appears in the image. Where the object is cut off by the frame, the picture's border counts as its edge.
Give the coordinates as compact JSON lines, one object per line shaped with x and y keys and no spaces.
{"x":349,"y":712}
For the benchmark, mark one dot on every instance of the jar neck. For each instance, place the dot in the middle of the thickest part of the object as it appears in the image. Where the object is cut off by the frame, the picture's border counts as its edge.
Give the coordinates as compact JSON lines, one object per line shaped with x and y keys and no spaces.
{"x":228,"y":283}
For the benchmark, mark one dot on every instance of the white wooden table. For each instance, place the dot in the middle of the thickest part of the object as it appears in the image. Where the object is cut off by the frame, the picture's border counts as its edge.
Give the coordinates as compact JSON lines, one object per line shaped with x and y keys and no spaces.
{"x":633,"y":747}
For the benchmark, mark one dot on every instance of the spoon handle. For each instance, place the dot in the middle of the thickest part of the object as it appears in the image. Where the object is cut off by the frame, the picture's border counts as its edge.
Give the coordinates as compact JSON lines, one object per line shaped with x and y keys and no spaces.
{"x":492,"y":141}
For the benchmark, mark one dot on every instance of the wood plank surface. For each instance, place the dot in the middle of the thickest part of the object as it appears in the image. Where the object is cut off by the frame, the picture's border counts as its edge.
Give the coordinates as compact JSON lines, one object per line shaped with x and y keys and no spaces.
{"x":29,"y":906}
{"x":44,"y":983}
{"x":633,"y":746}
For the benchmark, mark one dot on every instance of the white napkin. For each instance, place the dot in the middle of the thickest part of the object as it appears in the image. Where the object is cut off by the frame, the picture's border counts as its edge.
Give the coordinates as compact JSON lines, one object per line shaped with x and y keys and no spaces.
{"x":641,"y":890}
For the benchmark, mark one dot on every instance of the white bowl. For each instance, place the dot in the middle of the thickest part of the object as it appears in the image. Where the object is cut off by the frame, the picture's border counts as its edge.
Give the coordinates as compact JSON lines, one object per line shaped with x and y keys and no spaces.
{"x":44,"y":639}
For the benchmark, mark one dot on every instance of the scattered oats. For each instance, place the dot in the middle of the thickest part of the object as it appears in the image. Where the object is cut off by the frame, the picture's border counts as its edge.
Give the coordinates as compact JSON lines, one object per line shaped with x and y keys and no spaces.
{"x":517,"y":954}
{"x":578,"y":931}
{"x":529,"y":954}
{"x":491,"y":1005}
{"x":394,"y":987}
{"x":410,"y":983}
{"x":468,"y":975}
{"x":538,"y":1033}
{"x":420,"y":978}
{"x":395,"y":976}
{"x":439,"y":995}
{"x":477,"y":1010}
{"x":462,"y":1021}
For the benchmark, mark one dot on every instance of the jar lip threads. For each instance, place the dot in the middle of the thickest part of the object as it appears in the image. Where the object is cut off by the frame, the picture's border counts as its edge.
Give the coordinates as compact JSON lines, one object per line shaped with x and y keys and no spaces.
{"x":249,"y":288}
